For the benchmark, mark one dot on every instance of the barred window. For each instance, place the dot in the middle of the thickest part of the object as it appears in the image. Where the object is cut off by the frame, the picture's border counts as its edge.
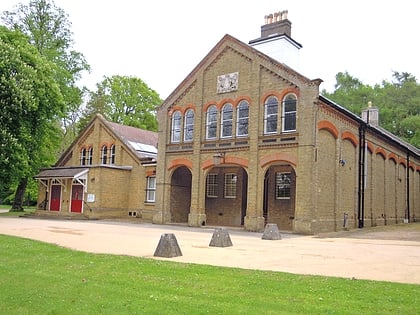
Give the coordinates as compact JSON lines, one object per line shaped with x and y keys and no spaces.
{"x":242,"y":119}
{"x":289,"y":113}
{"x":211,"y":185}
{"x":189,"y":126}
{"x":151,"y":189}
{"x":230,"y":185}
{"x":176,"y":127}
{"x":283,"y":183}
{"x":211,"y":122}
{"x":270,"y":115}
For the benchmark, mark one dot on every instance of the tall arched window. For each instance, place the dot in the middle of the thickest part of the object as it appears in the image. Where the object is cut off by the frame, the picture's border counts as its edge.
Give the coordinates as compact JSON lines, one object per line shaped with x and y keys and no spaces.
{"x":226,"y":119}
{"x":90,"y":157}
{"x":211,"y":122}
{"x":176,"y":127}
{"x":112,"y":154}
{"x":83,"y":156}
{"x":289,"y":113}
{"x":242,"y":118}
{"x":189,"y":126}
{"x":104,"y":154}
{"x":271,"y":108}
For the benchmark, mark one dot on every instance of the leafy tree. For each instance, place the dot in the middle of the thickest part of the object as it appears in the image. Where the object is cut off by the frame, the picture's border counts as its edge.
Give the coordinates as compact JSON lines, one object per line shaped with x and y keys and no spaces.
{"x":48,"y":30}
{"x":124,"y":100}
{"x":398,"y":102}
{"x":350,"y":92}
{"x":30,"y":100}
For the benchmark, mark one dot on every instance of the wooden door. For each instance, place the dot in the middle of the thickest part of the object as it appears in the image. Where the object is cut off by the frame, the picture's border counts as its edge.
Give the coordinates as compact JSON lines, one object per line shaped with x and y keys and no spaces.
{"x":76,"y":198}
{"x":55,"y":198}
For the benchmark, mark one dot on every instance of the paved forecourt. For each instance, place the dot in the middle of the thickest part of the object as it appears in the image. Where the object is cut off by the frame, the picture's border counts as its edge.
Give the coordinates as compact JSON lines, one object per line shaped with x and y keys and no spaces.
{"x":387,"y":260}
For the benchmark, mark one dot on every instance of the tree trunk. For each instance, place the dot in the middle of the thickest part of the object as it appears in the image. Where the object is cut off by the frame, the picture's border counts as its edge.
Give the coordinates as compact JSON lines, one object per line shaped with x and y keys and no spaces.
{"x":20,"y":195}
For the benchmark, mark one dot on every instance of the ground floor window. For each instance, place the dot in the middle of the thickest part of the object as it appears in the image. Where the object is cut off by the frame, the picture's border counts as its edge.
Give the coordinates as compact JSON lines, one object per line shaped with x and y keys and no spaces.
{"x":230,"y":185}
{"x":283,"y":184}
{"x":211,"y":185}
{"x":151,"y":189}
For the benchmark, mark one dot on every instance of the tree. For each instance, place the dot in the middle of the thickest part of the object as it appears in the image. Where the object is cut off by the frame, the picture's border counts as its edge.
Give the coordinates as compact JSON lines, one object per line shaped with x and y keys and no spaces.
{"x":31,"y":101}
{"x":48,"y":30}
{"x":124,"y":100}
{"x":398,"y":102}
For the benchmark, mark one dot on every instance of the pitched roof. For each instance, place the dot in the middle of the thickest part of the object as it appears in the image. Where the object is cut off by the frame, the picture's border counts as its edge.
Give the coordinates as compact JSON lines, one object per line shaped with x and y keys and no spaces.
{"x":142,"y":142}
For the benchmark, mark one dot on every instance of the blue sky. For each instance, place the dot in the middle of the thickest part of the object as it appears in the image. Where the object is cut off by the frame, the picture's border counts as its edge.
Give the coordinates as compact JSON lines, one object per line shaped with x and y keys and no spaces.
{"x":162,"y":41}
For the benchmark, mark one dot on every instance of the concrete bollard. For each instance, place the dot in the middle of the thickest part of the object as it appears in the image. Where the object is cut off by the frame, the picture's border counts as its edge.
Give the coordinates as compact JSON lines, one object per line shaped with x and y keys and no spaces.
{"x":220,"y":238}
{"x":168,"y":246}
{"x":271,"y":232}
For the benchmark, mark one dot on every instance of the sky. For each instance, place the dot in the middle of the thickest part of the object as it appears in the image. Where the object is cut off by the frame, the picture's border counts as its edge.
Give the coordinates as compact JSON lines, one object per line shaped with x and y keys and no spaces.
{"x":161,"y":42}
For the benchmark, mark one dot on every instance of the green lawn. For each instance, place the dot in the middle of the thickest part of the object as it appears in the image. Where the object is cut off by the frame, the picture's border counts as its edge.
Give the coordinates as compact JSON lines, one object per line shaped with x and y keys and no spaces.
{"x":40,"y":278}
{"x":28,"y":209}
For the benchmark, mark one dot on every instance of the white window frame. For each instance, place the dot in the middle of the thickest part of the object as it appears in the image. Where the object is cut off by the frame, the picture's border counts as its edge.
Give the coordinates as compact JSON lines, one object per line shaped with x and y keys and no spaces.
{"x":226,"y":121}
{"x":289,"y":116}
{"x":283,"y":183}
{"x":270,"y":103}
{"x":230,"y":185}
{"x":189,"y":125}
{"x":176,"y":127}
{"x":241,"y":119}
{"x":151,"y":189}
{"x":211,"y":122}
{"x":211,"y":185}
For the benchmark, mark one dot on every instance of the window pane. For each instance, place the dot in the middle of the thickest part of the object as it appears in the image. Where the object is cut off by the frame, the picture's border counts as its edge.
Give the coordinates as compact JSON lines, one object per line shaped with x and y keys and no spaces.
{"x":289,"y":113}
{"x":176,"y":127}
{"x":189,"y":125}
{"x":242,"y":119}
{"x":211,"y":185}
{"x":230,"y":185}
{"x":226,"y":121}
{"x":283,"y":183}
{"x":270,"y":115}
{"x":151,"y":189}
{"x":211,"y":122}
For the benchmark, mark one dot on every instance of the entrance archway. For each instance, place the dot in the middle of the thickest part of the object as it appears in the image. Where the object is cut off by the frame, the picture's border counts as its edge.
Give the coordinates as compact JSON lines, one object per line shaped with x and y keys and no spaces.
{"x":180,"y":195}
{"x":279,"y":196}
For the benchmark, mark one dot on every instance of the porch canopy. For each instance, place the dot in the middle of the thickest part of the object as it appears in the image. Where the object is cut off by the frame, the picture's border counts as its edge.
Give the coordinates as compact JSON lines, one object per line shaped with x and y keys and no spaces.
{"x":60,"y":173}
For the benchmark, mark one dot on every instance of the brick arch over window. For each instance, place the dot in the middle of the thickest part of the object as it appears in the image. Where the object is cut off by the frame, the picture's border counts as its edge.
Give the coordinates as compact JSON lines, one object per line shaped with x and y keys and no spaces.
{"x":329,"y":126}
{"x":228,"y":160}
{"x":280,"y":94}
{"x":347,"y":135}
{"x":370,"y":147}
{"x":393,"y":157}
{"x":180,"y":162}
{"x":381,"y":151}
{"x":276,"y":157}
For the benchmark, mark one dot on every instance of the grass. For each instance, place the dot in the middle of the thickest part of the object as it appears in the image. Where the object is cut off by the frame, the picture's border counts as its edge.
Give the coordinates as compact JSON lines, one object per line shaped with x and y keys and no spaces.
{"x":28,"y":209}
{"x":40,"y":278}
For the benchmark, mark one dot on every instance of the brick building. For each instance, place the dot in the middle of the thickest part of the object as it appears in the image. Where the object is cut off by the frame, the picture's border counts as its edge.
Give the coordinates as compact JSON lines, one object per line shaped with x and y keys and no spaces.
{"x":246,"y":140}
{"x":107,"y":172}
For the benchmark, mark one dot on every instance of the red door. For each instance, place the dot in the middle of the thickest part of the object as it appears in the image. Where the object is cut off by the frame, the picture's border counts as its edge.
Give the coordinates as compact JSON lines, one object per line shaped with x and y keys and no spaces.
{"x":76,"y":198}
{"x":55,"y":199}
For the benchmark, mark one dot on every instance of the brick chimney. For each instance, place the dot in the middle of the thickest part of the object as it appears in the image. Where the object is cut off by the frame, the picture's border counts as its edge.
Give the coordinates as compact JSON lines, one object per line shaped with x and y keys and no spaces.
{"x":276,"y":24}
{"x":276,"y":40}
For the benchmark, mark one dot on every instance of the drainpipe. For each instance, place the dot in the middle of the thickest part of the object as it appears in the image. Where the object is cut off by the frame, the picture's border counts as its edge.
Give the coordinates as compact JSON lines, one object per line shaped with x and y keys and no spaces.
{"x":408,"y":187}
{"x":361,"y":176}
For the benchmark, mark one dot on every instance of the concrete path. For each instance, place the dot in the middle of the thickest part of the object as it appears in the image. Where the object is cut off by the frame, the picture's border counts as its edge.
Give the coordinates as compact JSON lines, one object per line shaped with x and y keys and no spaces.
{"x":387,"y":260}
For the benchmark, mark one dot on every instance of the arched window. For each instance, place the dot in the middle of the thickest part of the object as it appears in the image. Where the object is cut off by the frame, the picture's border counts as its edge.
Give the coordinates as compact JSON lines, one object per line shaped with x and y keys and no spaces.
{"x":271,"y":108}
{"x":90,"y":158}
{"x":112,"y":155}
{"x":176,"y":127}
{"x":83,"y":156}
{"x":189,"y":126}
{"x":226,"y":121}
{"x":289,"y":113}
{"x":211,"y":122}
{"x":104,"y":154}
{"x":242,"y":118}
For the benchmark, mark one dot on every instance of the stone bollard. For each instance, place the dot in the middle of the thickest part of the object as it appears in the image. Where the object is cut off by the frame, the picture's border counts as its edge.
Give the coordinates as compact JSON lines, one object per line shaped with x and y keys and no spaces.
{"x":271,"y":232}
{"x":168,"y":246}
{"x":220,"y":238}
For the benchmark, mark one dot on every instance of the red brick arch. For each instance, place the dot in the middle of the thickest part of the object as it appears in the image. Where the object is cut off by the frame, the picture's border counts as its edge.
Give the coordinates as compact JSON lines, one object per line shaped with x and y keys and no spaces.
{"x":180,"y":162}
{"x":347,"y":135}
{"x":329,"y":126}
{"x":276,"y":157}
